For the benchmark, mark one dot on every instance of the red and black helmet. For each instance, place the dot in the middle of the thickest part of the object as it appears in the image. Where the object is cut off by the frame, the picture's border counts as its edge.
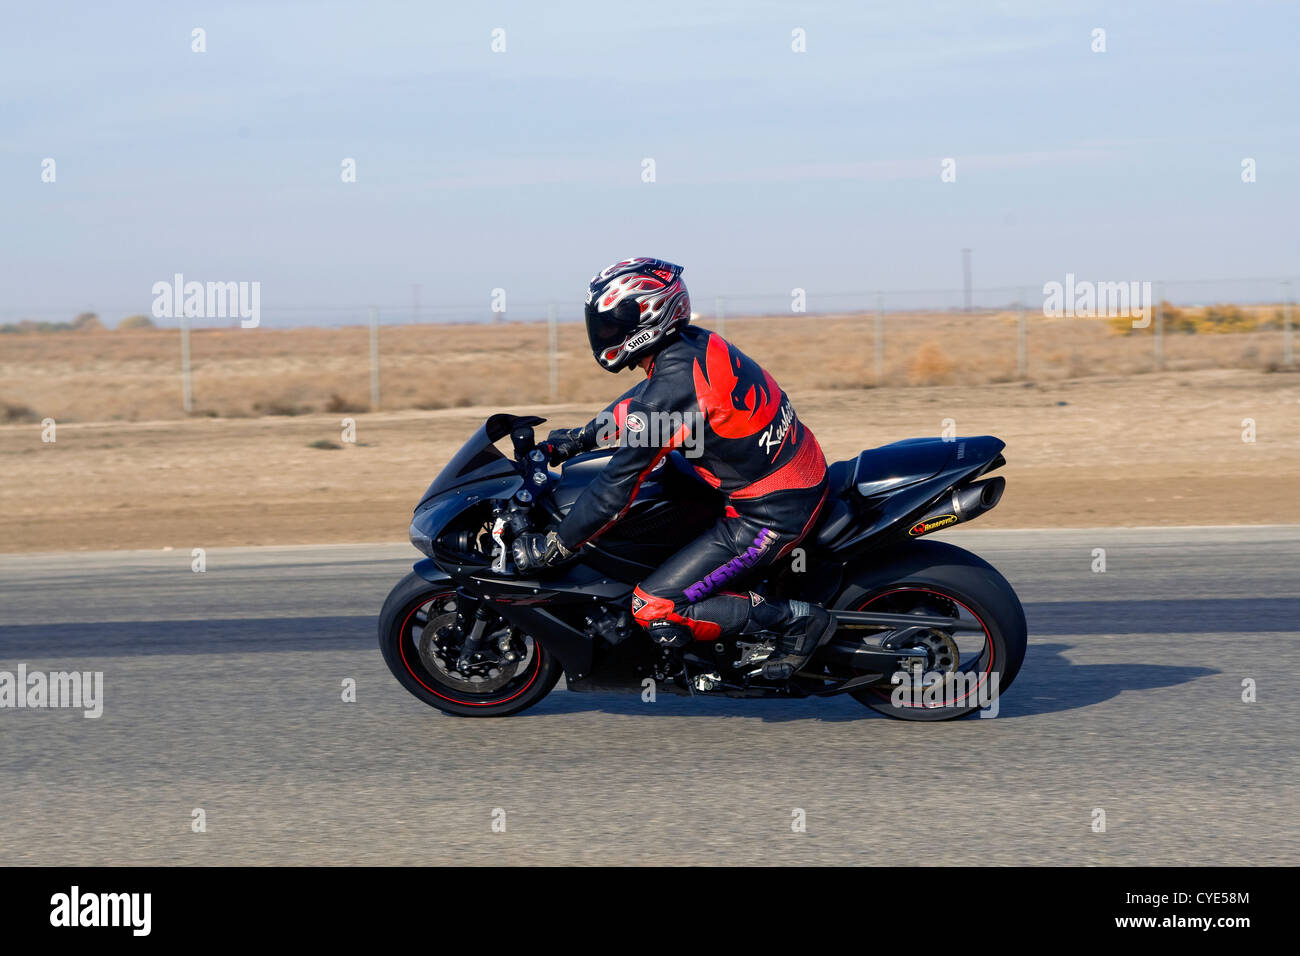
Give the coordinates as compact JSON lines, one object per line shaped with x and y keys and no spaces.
{"x":634,"y":307}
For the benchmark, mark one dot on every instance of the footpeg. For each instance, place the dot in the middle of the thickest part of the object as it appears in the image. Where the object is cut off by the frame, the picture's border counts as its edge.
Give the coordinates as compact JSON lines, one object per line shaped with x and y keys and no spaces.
{"x":707,"y":682}
{"x":778,"y":670}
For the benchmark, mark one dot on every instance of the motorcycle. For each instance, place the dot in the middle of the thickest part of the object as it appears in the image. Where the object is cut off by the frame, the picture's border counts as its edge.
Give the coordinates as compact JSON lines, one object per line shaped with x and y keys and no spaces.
{"x":924,"y":630}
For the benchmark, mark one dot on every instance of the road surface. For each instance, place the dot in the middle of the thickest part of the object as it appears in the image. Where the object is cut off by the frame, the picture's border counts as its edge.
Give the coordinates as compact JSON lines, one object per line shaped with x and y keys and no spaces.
{"x":223,"y":692}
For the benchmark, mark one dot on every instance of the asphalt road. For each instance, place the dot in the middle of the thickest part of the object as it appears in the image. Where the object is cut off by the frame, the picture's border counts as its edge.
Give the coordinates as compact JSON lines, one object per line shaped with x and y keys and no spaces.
{"x":222,"y":691}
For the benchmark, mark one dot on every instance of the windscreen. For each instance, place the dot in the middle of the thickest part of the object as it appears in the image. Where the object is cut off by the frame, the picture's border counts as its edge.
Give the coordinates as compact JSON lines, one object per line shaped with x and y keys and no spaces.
{"x":478,"y":458}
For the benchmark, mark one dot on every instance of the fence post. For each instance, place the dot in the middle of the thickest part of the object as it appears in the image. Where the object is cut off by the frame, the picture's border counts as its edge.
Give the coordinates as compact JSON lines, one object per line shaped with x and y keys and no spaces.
{"x":187,"y":390}
{"x":1022,"y":354}
{"x":880,"y":339}
{"x":1160,"y":326}
{"x":965,"y":280}
{"x":374,"y":359}
{"x":1288,"y":356}
{"x":553,"y":349}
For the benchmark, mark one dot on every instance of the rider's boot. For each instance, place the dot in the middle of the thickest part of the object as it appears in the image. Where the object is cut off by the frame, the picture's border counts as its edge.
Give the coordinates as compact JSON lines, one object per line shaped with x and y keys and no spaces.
{"x":801,"y":628}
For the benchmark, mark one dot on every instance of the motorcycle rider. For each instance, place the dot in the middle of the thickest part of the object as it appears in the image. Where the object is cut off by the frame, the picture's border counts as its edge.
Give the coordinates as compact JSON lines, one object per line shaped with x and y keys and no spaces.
{"x":753,"y":449}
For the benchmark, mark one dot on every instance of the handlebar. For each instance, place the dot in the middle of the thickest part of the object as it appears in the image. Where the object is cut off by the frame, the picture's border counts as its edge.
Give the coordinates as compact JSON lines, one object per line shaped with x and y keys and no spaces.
{"x":532,"y":460}
{"x":522,"y":439}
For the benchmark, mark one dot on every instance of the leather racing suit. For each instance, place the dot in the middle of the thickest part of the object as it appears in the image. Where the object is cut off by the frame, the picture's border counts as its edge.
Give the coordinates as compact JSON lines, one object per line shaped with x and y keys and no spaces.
{"x":738,"y":429}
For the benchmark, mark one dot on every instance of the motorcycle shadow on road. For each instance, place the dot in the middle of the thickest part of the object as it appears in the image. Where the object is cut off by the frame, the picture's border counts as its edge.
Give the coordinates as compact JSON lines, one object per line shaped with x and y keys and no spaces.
{"x":1047,"y":683}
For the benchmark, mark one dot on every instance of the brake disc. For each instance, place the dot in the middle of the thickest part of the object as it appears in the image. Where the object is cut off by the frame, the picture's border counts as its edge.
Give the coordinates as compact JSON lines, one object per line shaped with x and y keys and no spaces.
{"x":440,"y":653}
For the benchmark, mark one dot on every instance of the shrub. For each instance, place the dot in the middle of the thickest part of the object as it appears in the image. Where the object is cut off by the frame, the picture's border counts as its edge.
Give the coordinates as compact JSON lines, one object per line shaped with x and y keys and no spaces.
{"x":17,"y":414}
{"x":930,"y":365}
{"x":280,"y":407}
{"x":337,"y":403}
{"x":1210,"y":319}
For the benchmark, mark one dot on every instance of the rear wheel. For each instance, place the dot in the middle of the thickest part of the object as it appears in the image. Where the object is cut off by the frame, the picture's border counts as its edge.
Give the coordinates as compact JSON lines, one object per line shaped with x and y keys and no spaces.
{"x":965,"y":668}
{"x":422,"y":635}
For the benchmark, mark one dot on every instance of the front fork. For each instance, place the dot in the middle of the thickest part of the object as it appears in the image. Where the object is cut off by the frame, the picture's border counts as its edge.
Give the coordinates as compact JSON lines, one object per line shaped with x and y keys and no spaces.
{"x":470,"y":648}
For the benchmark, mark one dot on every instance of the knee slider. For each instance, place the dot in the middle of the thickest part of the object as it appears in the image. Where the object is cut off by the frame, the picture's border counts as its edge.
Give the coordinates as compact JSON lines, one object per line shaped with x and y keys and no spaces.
{"x":647,"y":608}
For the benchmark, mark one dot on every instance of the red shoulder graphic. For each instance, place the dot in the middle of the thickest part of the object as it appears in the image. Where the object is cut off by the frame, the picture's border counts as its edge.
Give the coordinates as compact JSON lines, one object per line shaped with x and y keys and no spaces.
{"x":734,"y":408}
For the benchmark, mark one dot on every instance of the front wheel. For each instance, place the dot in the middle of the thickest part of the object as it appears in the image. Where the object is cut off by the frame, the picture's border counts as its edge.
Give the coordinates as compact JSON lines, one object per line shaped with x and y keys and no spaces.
{"x":422,"y":635}
{"x":966,"y":669}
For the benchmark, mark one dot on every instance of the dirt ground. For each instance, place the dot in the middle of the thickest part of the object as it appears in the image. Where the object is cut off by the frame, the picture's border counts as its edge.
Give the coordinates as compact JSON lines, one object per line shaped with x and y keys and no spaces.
{"x":1159,"y":449}
{"x":237,"y":373}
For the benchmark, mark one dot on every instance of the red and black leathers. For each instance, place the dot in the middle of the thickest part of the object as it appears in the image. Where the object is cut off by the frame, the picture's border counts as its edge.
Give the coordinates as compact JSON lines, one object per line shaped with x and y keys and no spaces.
{"x":738,"y":429}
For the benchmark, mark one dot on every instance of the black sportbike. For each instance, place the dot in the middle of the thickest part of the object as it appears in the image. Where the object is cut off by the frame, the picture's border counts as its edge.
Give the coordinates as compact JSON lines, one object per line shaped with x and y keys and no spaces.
{"x":925,"y":630}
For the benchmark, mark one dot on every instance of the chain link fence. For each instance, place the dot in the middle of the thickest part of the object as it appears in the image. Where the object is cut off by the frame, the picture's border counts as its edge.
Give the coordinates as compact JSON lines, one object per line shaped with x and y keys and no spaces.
{"x":353,"y":359}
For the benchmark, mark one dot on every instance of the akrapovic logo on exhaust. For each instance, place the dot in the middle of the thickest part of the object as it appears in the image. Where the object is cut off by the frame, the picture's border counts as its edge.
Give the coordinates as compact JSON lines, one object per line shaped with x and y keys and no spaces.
{"x":933,"y":524}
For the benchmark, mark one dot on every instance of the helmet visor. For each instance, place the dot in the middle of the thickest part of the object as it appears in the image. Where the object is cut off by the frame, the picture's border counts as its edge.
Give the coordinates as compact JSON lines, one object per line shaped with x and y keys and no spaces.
{"x":604,"y":330}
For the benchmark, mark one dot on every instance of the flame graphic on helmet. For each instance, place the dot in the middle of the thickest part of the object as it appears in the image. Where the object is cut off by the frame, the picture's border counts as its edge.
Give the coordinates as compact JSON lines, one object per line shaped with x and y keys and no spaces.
{"x":659,"y":292}
{"x":660,"y":295}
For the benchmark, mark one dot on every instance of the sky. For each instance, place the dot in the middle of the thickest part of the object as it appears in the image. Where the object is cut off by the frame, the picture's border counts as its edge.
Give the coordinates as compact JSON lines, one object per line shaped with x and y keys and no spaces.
{"x":522,"y":170}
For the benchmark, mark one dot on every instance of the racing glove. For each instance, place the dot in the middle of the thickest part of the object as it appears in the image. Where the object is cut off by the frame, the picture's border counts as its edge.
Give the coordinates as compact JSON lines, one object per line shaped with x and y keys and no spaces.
{"x":563,"y":443}
{"x":539,"y":551}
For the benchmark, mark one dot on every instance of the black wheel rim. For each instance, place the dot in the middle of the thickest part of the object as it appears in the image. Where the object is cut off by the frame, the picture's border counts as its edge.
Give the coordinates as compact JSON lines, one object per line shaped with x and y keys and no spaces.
{"x":444,"y":681}
{"x":973,"y":650}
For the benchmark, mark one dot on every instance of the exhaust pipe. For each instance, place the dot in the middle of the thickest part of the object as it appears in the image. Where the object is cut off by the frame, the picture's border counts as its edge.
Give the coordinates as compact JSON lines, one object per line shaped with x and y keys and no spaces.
{"x":965,"y":504}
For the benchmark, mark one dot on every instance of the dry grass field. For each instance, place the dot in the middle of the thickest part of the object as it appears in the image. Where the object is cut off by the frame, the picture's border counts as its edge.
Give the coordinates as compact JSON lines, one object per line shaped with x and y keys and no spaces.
{"x":134,"y":375}
{"x":1159,"y":449}
{"x":1095,"y":436}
